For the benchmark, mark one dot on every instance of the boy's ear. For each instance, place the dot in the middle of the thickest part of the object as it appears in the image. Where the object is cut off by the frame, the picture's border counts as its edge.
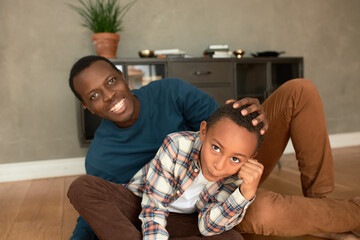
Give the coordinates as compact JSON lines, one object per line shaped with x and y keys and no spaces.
{"x":202,"y":130}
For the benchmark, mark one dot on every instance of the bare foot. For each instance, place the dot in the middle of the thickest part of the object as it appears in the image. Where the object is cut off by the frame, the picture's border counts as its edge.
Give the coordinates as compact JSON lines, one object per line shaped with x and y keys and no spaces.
{"x":337,"y":236}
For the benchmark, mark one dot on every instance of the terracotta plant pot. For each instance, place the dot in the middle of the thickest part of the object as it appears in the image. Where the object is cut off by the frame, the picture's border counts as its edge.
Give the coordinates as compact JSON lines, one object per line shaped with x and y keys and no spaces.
{"x":106,"y":44}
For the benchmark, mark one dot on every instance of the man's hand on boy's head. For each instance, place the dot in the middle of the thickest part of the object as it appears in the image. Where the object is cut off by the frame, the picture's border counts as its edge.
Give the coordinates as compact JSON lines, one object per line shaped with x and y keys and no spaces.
{"x":250,"y":173}
{"x":255,"y":106}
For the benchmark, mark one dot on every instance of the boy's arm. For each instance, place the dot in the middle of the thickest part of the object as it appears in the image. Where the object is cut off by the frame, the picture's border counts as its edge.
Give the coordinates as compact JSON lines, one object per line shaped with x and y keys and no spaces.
{"x":159,"y":188}
{"x":229,"y":212}
{"x":218,"y":217}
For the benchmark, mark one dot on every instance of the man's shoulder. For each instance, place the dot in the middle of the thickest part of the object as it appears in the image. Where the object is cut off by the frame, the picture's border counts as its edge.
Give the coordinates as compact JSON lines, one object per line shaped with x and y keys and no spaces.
{"x":168,"y":81}
{"x":164,"y":84}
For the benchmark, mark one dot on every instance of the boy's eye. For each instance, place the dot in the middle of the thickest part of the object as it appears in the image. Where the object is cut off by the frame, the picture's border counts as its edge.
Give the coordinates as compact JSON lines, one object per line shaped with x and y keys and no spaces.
{"x":94,"y":96}
{"x":216,"y":148}
{"x":235,"y":159}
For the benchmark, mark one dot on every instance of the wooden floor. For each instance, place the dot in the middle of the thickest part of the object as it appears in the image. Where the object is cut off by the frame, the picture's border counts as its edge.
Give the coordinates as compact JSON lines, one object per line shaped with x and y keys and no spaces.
{"x":39,"y":209}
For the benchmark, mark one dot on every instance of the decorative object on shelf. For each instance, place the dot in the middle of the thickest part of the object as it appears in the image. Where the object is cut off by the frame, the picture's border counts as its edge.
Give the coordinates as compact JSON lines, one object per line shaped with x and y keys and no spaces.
{"x":105,"y":19}
{"x":219,"y":50}
{"x":239,"y":53}
{"x":267,"y":54}
{"x":146,"y":53}
{"x":170,"y":53}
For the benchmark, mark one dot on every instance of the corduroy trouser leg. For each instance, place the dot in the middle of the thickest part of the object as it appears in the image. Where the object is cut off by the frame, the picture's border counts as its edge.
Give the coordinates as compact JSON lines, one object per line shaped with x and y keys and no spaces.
{"x":275,"y":214}
{"x":295,"y":110}
{"x":112,"y":211}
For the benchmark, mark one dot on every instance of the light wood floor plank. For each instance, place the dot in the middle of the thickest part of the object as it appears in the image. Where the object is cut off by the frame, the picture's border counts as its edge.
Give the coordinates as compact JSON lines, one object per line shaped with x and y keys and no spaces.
{"x":41,"y":212}
{"x":12,"y":196}
{"x":70,"y":215}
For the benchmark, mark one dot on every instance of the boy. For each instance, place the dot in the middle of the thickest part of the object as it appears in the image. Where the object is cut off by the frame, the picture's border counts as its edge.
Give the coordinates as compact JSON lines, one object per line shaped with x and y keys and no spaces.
{"x":210,"y":172}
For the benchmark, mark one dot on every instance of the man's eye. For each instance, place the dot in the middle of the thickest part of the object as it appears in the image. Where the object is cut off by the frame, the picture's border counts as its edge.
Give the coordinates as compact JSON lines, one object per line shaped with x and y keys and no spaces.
{"x":94,"y":96}
{"x":111,"y":80}
{"x":235,"y":159}
{"x":216,"y":148}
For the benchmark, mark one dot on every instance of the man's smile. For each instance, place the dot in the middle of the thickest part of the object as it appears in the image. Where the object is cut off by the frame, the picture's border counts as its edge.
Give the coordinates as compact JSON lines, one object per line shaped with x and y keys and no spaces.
{"x":119,"y":106}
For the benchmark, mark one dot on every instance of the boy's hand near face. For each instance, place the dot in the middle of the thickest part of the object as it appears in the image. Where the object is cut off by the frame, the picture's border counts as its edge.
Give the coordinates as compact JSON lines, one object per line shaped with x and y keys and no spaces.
{"x":250,"y":173}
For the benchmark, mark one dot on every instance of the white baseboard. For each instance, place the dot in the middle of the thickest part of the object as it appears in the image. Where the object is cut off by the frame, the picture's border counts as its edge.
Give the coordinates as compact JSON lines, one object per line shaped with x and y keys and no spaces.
{"x":75,"y":166}
{"x":336,"y":141}
{"x":41,"y":169}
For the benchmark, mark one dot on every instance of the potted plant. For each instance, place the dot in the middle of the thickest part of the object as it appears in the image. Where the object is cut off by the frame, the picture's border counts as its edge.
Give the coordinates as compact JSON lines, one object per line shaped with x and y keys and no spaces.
{"x":105,"y":19}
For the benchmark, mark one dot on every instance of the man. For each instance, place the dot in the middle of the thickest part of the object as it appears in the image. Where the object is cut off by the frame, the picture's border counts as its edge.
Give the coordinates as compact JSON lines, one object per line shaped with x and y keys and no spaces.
{"x":135,"y":123}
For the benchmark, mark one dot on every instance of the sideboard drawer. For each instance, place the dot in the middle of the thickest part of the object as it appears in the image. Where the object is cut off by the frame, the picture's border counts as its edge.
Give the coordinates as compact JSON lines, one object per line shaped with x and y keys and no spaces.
{"x":201,"y":72}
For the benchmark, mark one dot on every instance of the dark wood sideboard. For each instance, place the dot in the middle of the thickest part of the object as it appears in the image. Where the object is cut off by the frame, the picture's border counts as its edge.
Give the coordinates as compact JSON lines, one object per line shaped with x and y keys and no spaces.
{"x":221,"y":78}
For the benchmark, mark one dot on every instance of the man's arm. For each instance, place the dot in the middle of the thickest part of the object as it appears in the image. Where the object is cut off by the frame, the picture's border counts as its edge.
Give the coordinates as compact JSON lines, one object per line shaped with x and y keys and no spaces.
{"x":195,"y":104}
{"x":198,"y":106}
{"x":255,"y":106}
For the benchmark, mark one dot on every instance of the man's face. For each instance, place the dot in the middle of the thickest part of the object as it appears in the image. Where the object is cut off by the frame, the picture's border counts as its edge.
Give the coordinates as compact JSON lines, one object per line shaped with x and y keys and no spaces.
{"x":225,"y":148}
{"x":105,"y":92}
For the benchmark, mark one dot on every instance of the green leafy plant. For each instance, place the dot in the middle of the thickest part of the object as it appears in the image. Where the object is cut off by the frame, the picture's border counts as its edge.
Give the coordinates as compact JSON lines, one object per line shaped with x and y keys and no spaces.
{"x":102,"y":15}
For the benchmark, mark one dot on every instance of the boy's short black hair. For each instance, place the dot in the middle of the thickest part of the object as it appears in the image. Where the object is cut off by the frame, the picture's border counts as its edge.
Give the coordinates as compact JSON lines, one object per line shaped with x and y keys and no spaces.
{"x":82,"y":64}
{"x":236,"y":116}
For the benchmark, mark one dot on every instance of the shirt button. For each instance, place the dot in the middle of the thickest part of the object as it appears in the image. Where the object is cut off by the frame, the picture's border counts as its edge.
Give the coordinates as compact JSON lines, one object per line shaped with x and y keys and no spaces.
{"x":178,"y":191}
{"x":196,"y":170}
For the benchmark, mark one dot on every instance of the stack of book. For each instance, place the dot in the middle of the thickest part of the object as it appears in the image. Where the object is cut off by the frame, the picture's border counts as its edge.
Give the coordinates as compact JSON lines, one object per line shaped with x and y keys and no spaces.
{"x":218,"y":51}
{"x":169,"y":53}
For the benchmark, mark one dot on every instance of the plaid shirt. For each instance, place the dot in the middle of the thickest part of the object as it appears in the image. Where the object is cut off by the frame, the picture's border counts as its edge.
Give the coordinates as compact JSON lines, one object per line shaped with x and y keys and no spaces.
{"x":160,"y":182}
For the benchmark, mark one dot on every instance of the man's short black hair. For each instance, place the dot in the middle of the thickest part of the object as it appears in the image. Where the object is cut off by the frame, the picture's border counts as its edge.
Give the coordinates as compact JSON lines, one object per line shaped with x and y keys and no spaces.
{"x":82,"y":64}
{"x":235,"y":115}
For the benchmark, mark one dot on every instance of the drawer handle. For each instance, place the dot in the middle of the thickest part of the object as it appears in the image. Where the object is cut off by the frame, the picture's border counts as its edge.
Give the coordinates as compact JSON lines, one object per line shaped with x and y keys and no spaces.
{"x":199,"y":73}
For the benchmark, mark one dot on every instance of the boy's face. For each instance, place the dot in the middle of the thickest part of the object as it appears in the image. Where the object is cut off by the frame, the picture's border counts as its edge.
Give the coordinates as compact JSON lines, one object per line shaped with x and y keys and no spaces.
{"x":105,"y":92}
{"x":225,"y":148}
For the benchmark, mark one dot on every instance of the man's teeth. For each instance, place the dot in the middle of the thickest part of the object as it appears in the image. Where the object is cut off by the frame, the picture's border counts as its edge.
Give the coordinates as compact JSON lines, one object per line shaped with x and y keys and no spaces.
{"x":117,"y":106}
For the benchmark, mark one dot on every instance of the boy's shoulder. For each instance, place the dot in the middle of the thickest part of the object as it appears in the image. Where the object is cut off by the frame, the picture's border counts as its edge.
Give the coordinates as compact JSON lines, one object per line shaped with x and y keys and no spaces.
{"x":184,"y":141}
{"x":190,"y":135}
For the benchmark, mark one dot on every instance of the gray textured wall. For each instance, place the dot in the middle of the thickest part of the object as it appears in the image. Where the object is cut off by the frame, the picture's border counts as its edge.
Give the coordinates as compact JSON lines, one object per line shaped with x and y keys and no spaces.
{"x":40,"y":40}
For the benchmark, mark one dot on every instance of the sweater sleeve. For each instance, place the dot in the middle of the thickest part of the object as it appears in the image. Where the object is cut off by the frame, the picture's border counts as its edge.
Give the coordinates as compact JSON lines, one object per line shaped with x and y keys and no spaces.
{"x":196,"y":105}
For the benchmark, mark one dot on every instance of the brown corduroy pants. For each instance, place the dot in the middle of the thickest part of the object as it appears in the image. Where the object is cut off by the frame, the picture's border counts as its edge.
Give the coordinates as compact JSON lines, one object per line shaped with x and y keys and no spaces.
{"x":113,"y":211}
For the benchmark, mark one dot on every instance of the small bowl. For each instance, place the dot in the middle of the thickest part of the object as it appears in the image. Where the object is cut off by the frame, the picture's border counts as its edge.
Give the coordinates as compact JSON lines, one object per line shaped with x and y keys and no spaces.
{"x":146,"y":53}
{"x":239,"y":53}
